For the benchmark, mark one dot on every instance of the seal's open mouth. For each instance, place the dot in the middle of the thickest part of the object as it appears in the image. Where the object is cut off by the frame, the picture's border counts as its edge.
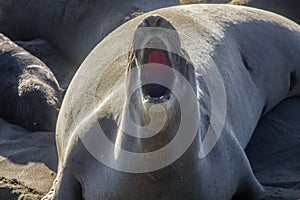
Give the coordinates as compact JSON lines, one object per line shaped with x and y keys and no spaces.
{"x":156,"y":69}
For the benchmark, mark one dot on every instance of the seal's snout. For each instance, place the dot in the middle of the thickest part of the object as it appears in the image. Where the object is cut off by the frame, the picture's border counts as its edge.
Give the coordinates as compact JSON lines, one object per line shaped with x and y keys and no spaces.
{"x":154,"y":48}
{"x":152,"y":21}
{"x":157,"y":55}
{"x":156,"y":21}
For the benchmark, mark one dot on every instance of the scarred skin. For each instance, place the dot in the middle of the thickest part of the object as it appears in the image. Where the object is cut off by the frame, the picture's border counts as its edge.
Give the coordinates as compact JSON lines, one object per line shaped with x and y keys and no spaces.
{"x":259,"y":69}
{"x":30,"y":94}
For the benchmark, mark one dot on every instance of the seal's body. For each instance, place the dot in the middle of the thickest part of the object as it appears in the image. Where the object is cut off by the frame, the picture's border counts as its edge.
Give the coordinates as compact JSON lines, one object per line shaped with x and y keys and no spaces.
{"x":75,"y":27}
{"x":30,"y":94}
{"x":240,"y":62}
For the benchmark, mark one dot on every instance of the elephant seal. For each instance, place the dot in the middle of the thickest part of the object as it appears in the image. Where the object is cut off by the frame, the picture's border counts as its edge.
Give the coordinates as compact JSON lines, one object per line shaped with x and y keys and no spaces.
{"x":30,"y":94}
{"x":236,"y":76}
{"x":78,"y":25}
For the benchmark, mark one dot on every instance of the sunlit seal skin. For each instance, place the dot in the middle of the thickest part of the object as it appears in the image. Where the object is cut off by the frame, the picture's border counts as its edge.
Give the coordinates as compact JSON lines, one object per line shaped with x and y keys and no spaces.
{"x":75,"y":27}
{"x":30,"y":94}
{"x":258,"y":68}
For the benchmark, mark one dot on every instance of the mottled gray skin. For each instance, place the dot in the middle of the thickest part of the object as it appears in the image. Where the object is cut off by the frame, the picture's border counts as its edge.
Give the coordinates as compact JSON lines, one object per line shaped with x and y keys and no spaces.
{"x":257,"y":55}
{"x":30,"y":94}
{"x":73,"y":26}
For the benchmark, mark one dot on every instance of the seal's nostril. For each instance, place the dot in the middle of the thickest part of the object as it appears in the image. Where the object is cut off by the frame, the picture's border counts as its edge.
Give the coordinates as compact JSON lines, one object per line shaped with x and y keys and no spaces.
{"x":156,"y":21}
{"x":145,"y":23}
{"x":152,"y":21}
{"x":159,"y":21}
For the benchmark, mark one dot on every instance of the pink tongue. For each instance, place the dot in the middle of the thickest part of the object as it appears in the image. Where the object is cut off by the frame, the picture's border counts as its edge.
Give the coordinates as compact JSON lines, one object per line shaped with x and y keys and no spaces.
{"x":156,"y":69}
{"x":158,"y":57}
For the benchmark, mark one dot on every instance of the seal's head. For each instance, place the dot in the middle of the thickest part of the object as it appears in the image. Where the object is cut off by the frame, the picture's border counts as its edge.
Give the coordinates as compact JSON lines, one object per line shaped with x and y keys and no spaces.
{"x":155,"y":46}
{"x":154,"y":63}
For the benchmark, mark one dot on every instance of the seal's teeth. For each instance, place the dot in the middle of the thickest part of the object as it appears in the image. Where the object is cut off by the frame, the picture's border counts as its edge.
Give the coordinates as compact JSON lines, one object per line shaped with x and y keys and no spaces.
{"x":154,"y":100}
{"x":147,"y":97}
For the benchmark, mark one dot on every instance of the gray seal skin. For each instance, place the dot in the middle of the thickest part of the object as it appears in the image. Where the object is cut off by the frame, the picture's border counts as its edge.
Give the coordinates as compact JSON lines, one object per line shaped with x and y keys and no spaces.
{"x":257,"y":55}
{"x":79,"y":25}
{"x":30,"y":94}
{"x":75,"y":27}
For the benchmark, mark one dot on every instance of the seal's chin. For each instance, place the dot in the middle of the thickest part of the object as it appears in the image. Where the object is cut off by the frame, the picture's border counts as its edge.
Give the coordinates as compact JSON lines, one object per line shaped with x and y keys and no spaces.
{"x":156,"y":72}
